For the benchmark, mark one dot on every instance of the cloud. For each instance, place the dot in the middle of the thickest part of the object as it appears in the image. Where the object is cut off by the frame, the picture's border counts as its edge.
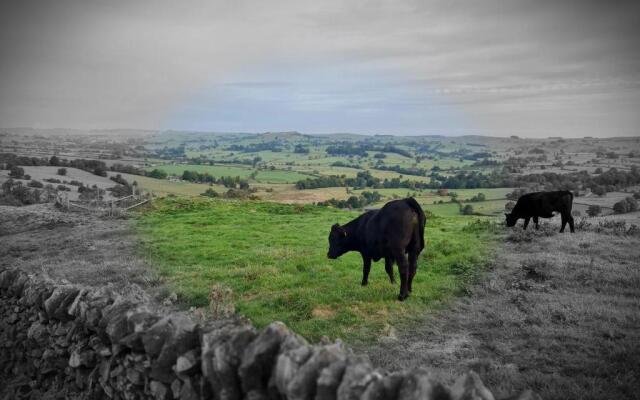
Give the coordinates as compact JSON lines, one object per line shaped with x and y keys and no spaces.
{"x":493,"y":67}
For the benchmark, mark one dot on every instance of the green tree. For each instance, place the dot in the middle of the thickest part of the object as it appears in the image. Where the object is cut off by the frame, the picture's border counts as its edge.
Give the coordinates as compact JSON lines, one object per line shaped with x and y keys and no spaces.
{"x":594,"y":210}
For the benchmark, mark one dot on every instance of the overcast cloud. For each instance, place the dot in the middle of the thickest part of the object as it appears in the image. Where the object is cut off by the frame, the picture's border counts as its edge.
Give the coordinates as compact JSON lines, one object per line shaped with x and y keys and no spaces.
{"x":530,"y":68}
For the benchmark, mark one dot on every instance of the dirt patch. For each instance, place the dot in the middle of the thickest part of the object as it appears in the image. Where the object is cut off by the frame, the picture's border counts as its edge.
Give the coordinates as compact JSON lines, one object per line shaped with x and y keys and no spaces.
{"x":77,"y":248}
{"x":553,"y":315}
{"x":323,"y":313}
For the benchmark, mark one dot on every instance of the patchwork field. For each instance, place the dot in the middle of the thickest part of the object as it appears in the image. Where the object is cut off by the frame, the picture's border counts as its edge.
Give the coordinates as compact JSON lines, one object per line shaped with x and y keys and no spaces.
{"x":263,"y":176}
{"x":278,"y":269}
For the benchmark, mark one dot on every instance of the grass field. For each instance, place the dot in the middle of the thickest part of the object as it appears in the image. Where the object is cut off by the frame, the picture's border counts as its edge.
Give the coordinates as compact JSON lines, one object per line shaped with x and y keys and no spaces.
{"x":263,"y":176}
{"x":278,"y":269}
{"x":163,"y":187}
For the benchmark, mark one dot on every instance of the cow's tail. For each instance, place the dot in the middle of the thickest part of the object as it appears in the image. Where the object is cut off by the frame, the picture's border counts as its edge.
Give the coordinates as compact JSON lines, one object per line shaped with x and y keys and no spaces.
{"x":422,"y":219}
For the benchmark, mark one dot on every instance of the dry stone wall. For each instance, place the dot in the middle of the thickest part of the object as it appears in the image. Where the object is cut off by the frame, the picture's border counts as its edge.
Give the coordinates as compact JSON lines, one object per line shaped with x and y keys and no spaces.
{"x":65,"y":341}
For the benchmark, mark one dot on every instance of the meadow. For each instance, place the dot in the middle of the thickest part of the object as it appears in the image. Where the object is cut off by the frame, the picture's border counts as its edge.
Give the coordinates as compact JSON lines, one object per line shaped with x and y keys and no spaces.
{"x":263,"y":176}
{"x":272,"y":257}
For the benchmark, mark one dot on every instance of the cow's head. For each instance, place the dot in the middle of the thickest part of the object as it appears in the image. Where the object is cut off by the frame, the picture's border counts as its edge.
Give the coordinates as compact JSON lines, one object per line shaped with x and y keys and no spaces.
{"x":511,"y":219}
{"x":338,"y":242}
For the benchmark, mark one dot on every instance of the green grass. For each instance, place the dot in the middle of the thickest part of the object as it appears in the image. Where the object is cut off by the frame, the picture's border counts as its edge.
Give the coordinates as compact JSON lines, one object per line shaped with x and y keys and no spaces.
{"x":273,"y":257}
{"x":263,"y":176}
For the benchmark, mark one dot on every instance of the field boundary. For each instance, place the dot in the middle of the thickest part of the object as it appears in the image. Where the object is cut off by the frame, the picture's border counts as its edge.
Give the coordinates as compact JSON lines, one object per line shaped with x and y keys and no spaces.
{"x":101,"y":344}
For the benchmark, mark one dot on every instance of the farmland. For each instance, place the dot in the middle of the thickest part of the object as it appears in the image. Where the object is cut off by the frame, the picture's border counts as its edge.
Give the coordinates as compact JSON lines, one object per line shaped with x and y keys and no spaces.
{"x":278,"y":269}
{"x":244,"y":234}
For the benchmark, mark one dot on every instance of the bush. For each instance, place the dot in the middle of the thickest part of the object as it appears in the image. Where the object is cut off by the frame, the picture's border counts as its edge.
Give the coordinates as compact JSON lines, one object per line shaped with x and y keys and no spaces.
{"x":35,"y":184}
{"x":100,"y":171}
{"x":119,"y":179}
{"x":158,"y":174}
{"x":62,"y":171}
{"x":624,"y":206}
{"x":478,"y":197}
{"x":466,"y":210}
{"x":52,"y":180}
{"x":209,"y":193}
{"x":16,"y":172}
{"x":594,"y":210}
{"x":63,"y":188}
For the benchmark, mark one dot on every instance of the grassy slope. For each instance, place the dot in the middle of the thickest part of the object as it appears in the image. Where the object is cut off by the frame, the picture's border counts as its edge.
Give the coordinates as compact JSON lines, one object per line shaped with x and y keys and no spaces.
{"x":278,"y":268}
{"x":557,"y":313}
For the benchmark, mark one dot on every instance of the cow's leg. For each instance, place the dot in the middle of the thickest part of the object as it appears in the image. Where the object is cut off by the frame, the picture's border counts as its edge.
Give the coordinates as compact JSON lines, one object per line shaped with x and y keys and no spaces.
{"x":388,"y":266}
{"x":403,"y":269}
{"x":571,"y":224}
{"x":564,"y":222}
{"x":366,"y":267}
{"x":526,"y":223}
{"x":413,"y":267}
{"x":535,"y":221}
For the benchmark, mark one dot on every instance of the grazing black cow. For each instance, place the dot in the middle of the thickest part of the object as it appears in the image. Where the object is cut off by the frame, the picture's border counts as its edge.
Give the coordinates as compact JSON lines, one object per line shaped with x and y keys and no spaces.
{"x":392,"y":232}
{"x":543,"y":205}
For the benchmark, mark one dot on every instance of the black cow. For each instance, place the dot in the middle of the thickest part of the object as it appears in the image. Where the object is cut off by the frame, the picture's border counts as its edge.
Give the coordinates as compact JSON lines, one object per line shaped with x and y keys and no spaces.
{"x":543,"y":205}
{"x":392,"y":232}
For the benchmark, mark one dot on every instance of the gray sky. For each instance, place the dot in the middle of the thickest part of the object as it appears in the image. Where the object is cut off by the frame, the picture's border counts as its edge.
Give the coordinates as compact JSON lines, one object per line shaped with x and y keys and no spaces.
{"x":530,"y":68}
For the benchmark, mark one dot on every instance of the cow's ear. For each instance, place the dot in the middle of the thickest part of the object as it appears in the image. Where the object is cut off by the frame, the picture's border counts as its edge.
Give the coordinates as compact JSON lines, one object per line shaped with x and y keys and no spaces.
{"x":344,"y":233}
{"x":335,"y":226}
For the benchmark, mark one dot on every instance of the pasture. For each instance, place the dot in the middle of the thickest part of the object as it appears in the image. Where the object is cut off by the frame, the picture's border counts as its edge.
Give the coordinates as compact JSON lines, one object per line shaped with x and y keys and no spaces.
{"x":273,"y":259}
{"x":263,"y":176}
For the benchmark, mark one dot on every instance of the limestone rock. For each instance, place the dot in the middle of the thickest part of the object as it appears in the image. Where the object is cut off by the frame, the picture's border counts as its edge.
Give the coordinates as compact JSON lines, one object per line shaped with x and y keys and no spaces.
{"x":470,"y":387}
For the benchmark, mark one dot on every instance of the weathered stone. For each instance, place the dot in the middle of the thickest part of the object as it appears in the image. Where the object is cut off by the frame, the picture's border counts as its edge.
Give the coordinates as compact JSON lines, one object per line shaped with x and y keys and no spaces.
{"x":384,"y":389}
{"x":7,"y":277}
{"x":159,"y":390}
{"x":82,"y":358}
{"x":57,"y":304}
{"x":294,"y":352}
{"x":74,"y":307}
{"x":188,"y":391}
{"x":329,"y":380}
{"x":114,"y":320}
{"x":188,"y":363}
{"x":419,"y":384}
{"x":133,"y":341}
{"x":154,"y":338}
{"x":303,"y":384}
{"x":355,"y":380}
{"x":260,"y":357}
{"x":183,"y":337}
{"x":134,"y":376}
{"x":222,"y":351}
{"x":18,"y":285}
{"x":176,"y":385}
{"x":470,"y":387}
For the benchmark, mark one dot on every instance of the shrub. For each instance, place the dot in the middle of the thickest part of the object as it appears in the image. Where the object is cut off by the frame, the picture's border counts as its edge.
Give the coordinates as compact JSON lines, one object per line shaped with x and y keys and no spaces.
{"x":121,"y":190}
{"x":16,"y":172}
{"x":35,"y":184}
{"x":52,"y":180}
{"x":478,"y":197}
{"x":62,"y":171}
{"x":100,"y":171}
{"x":466,"y":210}
{"x":209,"y":193}
{"x":63,"y":188}
{"x":158,"y":174}
{"x":119,"y":179}
{"x":594,"y":210}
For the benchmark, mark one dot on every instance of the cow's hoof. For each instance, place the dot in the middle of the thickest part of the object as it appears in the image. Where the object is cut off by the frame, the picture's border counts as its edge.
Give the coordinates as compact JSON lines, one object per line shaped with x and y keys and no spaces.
{"x":364,"y":283}
{"x":402,"y":297}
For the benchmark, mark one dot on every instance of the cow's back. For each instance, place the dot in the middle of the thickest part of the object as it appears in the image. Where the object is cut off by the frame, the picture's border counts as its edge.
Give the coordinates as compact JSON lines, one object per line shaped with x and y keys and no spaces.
{"x":544,"y":204}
